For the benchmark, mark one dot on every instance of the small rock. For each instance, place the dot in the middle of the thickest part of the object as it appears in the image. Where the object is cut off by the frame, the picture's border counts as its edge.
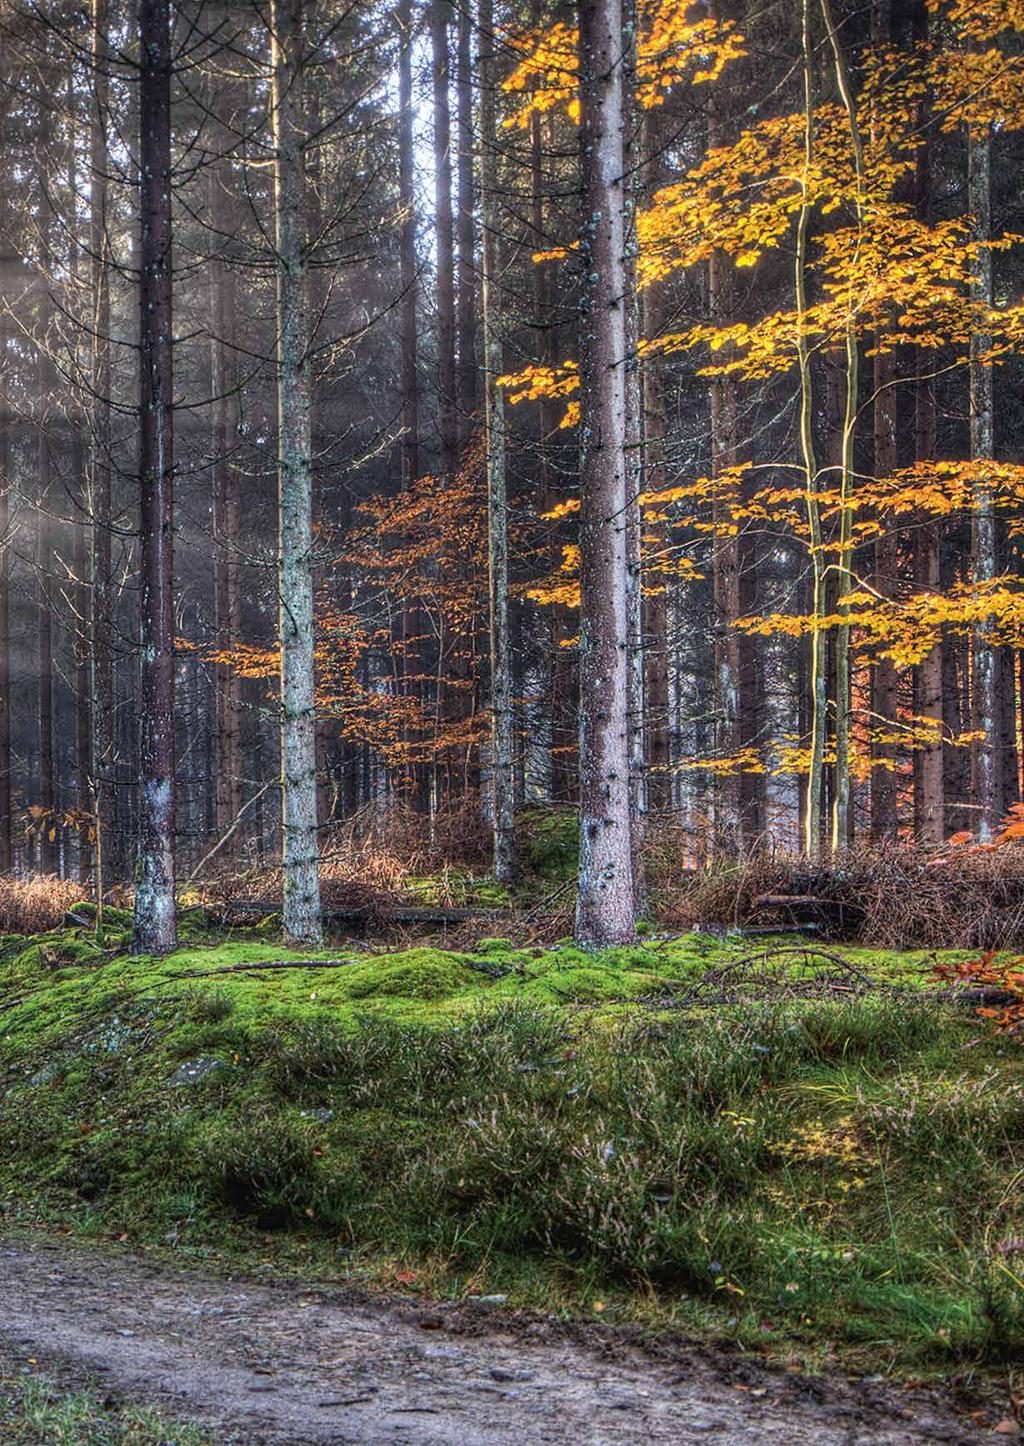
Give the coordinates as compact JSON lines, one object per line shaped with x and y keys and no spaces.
{"x":194,"y":1070}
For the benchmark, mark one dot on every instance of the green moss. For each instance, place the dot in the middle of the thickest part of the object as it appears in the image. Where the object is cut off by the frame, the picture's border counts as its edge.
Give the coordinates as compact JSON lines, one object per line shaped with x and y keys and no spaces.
{"x":548,"y":842}
{"x":415,"y":975}
{"x":535,"y":1119}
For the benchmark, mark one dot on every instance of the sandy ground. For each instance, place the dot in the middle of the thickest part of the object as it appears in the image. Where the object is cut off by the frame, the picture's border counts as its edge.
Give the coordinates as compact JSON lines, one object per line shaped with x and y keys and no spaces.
{"x":258,"y":1362}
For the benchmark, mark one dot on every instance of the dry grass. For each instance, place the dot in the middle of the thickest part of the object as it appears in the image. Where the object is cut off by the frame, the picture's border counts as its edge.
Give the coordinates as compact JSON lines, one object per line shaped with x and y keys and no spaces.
{"x":35,"y":905}
{"x":378,"y":853}
{"x":894,"y":898}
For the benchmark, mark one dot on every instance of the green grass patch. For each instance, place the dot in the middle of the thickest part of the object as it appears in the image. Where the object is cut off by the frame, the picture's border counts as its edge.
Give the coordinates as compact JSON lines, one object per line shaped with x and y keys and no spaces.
{"x":35,"y":1410}
{"x":812,"y":1176}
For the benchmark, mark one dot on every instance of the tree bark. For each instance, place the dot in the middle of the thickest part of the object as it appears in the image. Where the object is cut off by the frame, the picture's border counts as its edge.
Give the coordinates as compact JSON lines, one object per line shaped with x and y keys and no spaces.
{"x":467,"y":365}
{"x":6,"y":821}
{"x":816,"y":671}
{"x":983,"y":532}
{"x":409,"y":378}
{"x":225,"y":427}
{"x":100,"y":492}
{"x":502,"y":691}
{"x":46,"y":387}
{"x":440,"y":14}
{"x":605,"y":912}
{"x":300,"y":850}
{"x":154,"y":891}
{"x":884,"y":695}
{"x":929,"y":772}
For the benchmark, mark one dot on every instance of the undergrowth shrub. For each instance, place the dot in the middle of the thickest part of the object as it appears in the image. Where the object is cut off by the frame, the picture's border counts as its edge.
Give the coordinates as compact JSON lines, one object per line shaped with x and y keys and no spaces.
{"x":265,"y":1167}
{"x":897,"y":897}
{"x":35,"y":905}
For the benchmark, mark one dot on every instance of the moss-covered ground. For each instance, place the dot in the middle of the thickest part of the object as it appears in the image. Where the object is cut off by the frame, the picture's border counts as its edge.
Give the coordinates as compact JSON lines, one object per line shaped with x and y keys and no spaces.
{"x":833,"y":1177}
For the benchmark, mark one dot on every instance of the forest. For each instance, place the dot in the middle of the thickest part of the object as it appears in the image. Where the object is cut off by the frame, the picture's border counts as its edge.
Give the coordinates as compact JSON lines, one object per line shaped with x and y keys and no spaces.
{"x":512,"y":713}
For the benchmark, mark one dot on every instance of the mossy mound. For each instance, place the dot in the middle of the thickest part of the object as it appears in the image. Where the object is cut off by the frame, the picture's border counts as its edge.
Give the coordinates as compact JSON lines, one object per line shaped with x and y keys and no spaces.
{"x":540,"y":1122}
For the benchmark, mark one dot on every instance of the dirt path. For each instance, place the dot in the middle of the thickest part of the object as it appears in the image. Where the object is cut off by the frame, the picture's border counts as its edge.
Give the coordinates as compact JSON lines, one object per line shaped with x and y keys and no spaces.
{"x":280,"y":1363}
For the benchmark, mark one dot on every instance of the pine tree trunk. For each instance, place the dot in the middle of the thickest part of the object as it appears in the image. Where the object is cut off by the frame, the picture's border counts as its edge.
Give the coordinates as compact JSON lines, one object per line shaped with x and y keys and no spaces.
{"x":225,"y":425}
{"x":6,"y":822}
{"x":983,"y":537}
{"x":605,"y":908}
{"x":467,"y":367}
{"x":100,"y":494}
{"x":929,"y":771}
{"x":46,"y":387}
{"x":502,"y":691}
{"x":300,"y":849}
{"x":408,"y":323}
{"x":929,"y":781}
{"x":440,"y":15}
{"x":656,"y":652}
{"x":725,"y":564}
{"x":45,"y":798}
{"x":154,"y":890}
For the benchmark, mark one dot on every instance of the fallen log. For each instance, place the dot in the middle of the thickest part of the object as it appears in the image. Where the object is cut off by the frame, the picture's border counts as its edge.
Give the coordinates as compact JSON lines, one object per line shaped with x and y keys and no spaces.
{"x":373,"y":911}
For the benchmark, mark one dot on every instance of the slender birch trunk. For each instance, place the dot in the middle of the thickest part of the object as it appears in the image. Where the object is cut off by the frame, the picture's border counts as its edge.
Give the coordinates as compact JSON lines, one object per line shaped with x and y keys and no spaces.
{"x":300,"y":848}
{"x":983,"y":528}
{"x":605,"y":912}
{"x":502,"y":705}
{"x":842,"y":824}
{"x":154,"y":890}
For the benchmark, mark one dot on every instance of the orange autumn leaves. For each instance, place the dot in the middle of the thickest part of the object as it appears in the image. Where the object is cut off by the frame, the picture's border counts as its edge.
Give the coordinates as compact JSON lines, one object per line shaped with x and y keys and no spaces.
{"x":671,"y":48}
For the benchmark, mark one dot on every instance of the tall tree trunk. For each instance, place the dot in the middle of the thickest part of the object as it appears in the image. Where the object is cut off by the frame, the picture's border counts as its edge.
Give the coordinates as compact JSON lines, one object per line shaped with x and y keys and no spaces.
{"x":411,"y":617}
{"x":440,"y":15}
{"x":301,"y":858}
{"x":883,"y":677}
{"x":467,"y":367}
{"x":605,"y":912}
{"x":6,"y":821}
{"x":502,"y":692}
{"x":46,"y":797}
{"x":409,"y":378}
{"x":842,"y":827}
{"x":884,"y":692}
{"x":100,"y":498}
{"x":725,"y":562}
{"x":226,"y":421}
{"x":816,"y":671}
{"x":929,"y":773}
{"x":656,"y":651}
{"x":46,"y":397}
{"x":929,"y":782}
{"x":154,"y":891}
{"x":632,"y":161}
{"x":983,"y":536}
